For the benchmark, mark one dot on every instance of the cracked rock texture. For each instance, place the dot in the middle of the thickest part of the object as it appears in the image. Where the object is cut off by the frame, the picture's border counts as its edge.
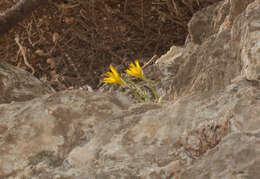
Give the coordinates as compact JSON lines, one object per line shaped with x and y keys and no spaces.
{"x":207,"y":127}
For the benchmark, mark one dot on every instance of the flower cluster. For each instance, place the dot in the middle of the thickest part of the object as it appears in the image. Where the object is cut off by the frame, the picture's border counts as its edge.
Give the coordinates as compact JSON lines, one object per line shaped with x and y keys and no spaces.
{"x":136,"y":71}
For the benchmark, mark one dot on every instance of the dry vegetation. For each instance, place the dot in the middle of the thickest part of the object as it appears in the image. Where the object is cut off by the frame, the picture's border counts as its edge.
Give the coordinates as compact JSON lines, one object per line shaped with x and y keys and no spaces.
{"x":71,"y":43}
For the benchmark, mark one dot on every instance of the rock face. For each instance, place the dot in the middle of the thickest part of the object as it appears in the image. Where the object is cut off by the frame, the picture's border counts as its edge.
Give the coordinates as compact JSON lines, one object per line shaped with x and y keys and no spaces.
{"x":207,"y":127}
{"x":248,"y":38}
{"x":77,"y":134}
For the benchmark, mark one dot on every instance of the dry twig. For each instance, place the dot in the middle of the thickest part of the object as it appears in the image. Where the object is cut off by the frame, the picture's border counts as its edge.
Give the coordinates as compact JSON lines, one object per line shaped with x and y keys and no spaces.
{"x":151,"y":61}
{"x":22,"y":49}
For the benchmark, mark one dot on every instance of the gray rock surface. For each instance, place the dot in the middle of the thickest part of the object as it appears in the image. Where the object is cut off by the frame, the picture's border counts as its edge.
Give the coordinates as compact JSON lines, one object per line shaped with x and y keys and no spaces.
{"x":246,"y":32}
{"x":78,"y":134}
{"x":18,"y":85}
{"x":207,"y":127}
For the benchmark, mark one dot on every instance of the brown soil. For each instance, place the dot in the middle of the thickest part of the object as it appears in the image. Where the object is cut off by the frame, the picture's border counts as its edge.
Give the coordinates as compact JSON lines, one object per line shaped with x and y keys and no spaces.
{"x":71,"y":43}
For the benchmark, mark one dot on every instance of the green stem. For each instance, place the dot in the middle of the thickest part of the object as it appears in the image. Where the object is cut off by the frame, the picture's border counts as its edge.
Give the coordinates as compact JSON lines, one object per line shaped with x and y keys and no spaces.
{"x":134,"y":91}
{"x":153,"y":90}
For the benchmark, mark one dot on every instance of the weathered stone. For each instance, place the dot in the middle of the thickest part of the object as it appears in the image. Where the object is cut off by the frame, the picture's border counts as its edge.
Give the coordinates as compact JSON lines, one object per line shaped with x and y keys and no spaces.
{"x":207,"y":67}
{"x":237,"y":7}
{"x":237,"y":156}
{"x":212,"y":57}
{"x":77,"y":134}
{"x":200,"y":27}
{"x":246,"y":31}
{"x":18,"y":85}
{"x":208,"y":128}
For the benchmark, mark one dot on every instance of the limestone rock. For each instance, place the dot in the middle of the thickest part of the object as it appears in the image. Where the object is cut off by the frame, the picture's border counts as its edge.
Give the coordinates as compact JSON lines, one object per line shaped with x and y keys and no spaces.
{"x":237,"y":156}
{"x":78,"y":134}
{"x":207,"y":67}
{"x":207,"y":127}
{"x":215,"y":52}
{"x":18,"y":85}
{"x":247,"y":34}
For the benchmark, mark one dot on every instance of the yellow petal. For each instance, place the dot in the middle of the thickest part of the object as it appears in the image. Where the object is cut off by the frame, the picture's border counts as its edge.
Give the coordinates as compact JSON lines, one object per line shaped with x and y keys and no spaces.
{"x":108,"y":74}
{"x":113,"y":77}
{"x":135,"y":70}
{"x":114,"y":70}
{"x":137,"y":64}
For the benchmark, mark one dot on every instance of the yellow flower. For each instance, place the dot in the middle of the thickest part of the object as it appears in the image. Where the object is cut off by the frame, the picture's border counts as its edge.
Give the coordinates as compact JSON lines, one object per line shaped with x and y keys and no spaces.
{"x":135,"y":70}
{"x":113,"y":77}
